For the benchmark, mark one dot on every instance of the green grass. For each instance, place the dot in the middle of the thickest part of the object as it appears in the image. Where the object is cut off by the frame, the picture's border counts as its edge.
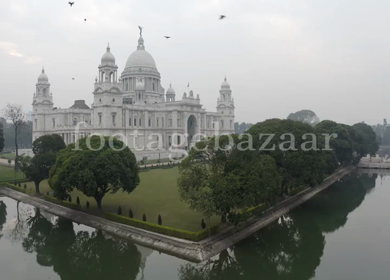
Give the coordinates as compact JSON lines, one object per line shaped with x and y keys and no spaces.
{"x":8,"y":156}
{"x":156,"y":194}
{"x":8,"y":173}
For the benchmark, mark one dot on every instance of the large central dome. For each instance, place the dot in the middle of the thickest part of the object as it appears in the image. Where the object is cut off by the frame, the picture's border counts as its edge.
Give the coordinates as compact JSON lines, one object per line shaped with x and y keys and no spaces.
{"x":140,"y":58}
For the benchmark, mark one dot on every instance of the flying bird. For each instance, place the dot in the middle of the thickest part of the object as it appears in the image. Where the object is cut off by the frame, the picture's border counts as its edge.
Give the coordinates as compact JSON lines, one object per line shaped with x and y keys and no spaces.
{"x":71,"y":4}
{"x":72,"y":78}
{"x":85,"y":19}
{"x":167,"y":37}
{"x":222,"y":17}
{"x":188,"y":84}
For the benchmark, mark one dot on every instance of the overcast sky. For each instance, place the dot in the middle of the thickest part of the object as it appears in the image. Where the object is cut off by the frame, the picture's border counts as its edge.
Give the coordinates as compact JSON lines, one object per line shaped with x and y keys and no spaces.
{"x":280,"y":56}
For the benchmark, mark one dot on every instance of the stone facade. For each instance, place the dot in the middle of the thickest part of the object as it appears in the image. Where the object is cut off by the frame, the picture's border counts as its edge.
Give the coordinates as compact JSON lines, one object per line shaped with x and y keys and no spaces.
{"x":134,"y":104}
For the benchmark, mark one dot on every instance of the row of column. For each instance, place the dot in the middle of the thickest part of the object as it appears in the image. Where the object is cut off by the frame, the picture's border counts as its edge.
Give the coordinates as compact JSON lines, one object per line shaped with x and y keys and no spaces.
{"x":72,"y":137}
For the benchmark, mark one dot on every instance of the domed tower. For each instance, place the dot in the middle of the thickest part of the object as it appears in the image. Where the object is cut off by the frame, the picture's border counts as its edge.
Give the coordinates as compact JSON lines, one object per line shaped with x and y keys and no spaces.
{"x":107,"y":113}
{"x":170,"y":94}
{"x":141,"y":69}
{"x":42,"y":103}
{"x":225,"y":108}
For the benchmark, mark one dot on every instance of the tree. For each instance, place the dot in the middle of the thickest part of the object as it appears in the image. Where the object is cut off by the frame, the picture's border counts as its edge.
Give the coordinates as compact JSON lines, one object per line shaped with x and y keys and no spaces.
{"x":94,"y":171}
{"x":159,"y":220}
{"x":203,"y":224}
{"x":119,"y":210}
{"x":14,"y":113}
{"x":296,"y":165}
{"x":305,"y":116}
{"x":45,"y":149}
{"x":9,"y":162}
{"x":224,"y":181}
{"x":369,"y":137}
{"x":1,"y":137}
{"x":144,"y":217}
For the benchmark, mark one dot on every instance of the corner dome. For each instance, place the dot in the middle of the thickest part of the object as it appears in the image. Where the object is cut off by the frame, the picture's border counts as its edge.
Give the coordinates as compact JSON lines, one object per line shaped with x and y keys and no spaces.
{"x":43,"y":77}
{"x":225,"y":84}
{"x":140,"y":58}
{"x":108,"y":58}
{"x":170,"y":90}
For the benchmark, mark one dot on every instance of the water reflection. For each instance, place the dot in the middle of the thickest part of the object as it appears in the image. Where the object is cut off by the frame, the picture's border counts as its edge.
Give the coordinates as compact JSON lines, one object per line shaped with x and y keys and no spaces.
{"x":292,"y":247}
{"x":80,"y":256}
{"x":3,"y":216}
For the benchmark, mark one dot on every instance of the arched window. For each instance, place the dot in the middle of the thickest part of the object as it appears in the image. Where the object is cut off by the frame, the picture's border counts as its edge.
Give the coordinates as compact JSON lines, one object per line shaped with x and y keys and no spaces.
{"x":113,"y":100}
{"x":158,"y":122}
{"x":135,"y":122}
{"x":139,"y":96}
{"x":129,"y":121}
{"x":223,"y":96}
{"x":150,"y":122}
{"x":75,"y":121}
{"x":111,"y":77}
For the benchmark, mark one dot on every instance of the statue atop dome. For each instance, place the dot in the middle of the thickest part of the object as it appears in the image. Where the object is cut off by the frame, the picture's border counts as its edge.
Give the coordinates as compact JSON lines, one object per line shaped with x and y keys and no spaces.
{"x":140,"y":30}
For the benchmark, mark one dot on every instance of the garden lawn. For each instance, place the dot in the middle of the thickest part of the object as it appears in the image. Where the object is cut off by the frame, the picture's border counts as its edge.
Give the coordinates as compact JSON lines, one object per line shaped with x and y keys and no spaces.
{"x":156,"y":195}
{"x":8,"y":156}
{"x":8,"y":173}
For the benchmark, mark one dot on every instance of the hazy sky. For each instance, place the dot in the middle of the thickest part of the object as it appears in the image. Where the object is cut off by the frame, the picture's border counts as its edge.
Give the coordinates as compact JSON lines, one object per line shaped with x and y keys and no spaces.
{"x":280,"y":56}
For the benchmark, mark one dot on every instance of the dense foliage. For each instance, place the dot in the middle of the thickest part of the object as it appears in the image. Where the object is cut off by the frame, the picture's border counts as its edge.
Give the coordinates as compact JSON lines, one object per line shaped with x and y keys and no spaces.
{"x":94,"y":171}
{"x":1,"y":137}
{"x":45,"y":149}
{"x":225,"y":181}
{"x":241,"y":127}
{"x":305,"y":116}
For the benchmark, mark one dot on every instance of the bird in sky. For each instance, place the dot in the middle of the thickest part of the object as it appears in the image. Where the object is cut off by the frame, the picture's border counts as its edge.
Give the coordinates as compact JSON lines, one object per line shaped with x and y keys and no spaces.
{"x":85,"y":19}
{"x":222,"y":17}
{"x":71,"y":4}
{"x":188,"y":84}
{"x":167,"y":37}
{"x":72,"y":78}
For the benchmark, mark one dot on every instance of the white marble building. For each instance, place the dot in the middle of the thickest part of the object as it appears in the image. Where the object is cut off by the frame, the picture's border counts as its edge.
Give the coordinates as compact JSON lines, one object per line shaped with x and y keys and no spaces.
{"x":135,"y":103}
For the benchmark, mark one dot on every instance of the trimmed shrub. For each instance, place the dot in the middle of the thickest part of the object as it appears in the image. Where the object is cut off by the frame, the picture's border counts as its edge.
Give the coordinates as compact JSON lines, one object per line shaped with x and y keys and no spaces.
{"x":87,"y":204}
{"x":144,"y":218}
{"x":131,"y":215}
{"x":119,"y":210}
{"x":14,"y":187}
{"x":179,"y":233}
{"x":203,"y":224}
{"x":62,"y":203}
{"x":159,"y":220}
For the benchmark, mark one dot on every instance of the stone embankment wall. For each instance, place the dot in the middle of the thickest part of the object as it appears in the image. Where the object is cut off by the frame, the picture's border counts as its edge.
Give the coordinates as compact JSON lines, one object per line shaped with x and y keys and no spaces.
{"x":192,"y":251}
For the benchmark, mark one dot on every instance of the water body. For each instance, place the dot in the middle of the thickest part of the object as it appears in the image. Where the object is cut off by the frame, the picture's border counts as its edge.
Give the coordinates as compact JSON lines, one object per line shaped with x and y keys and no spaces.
{"x":342,"y":233}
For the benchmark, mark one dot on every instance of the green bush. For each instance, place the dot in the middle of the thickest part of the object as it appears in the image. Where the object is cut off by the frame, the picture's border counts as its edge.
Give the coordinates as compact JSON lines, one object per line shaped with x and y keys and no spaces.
{"x":62,"y":203}
{"x":15,"y":188}
{"x":179,"y":233}
{"x":298,"y":190}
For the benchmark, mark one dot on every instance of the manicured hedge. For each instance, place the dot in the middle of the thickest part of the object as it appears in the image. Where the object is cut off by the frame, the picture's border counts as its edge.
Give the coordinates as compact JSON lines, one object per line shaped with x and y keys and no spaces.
{"x":184,"y":234}
{"x":63,"y":203}
{"x":15,"y":188}
{"x":298,"y":190}
{"x":15,"y":181}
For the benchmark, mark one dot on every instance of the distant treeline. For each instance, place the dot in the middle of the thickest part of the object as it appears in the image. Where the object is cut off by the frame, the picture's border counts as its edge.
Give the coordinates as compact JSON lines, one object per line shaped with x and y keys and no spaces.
{"x":24,"y":137}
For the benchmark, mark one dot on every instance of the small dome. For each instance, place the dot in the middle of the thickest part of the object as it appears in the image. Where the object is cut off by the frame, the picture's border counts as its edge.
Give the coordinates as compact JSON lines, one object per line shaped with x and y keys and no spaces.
{"x":43,"y":77}
{"x":140,"y":58}
{"x":170,"y":90}
{"x":225,"y":84}
{"x":108,"y":58}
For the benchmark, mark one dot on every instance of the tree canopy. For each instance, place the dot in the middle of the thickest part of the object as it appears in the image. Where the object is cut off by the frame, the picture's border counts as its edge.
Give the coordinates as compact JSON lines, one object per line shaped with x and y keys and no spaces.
{"x":224,"y":181}
{"x":97,"y":166}
{"x":1,"y":137}
{"x":297,"y":166}
{"x":45,"y":149}
{"x":305,"y":116}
